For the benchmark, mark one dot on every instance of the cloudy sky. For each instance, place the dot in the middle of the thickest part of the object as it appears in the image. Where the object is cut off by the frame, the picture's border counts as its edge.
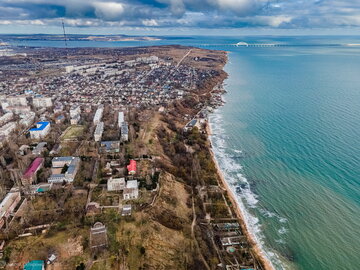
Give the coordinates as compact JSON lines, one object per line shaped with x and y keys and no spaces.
{"x":179,"y":16}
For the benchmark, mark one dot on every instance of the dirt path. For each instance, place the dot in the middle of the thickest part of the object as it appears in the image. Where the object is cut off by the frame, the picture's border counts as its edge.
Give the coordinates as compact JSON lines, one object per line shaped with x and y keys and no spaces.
{"x":182,"y":59}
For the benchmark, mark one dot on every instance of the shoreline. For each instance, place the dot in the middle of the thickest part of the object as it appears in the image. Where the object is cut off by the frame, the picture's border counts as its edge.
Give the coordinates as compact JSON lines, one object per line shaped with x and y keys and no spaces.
{"x":258,"y":252}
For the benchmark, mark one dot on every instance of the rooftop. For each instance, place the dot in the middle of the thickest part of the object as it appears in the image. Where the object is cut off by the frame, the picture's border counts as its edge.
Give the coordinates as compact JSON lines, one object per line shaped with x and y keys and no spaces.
{"x":132,"y":166}
{"x":132,"y":184}
{"x":113,"y":146}
{"x":33,"y":167}
{"x":116,"y":180}
{"x":7,"y":202}
{"x":40,"y":126}
{"x":66,"y":159}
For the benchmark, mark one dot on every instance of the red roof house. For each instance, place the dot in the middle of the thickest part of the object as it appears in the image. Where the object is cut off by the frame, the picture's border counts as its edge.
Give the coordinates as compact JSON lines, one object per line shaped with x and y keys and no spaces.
{"x":29,"y":175}
{"x":132,"y":167}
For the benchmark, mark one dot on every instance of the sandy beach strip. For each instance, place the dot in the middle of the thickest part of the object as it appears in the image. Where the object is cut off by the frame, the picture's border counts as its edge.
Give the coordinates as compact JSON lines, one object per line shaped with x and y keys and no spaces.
{"x":258,"y":253}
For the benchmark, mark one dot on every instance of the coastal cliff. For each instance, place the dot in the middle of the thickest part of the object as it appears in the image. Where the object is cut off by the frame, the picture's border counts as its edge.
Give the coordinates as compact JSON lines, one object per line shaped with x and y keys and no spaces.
{"x":187,"y":156}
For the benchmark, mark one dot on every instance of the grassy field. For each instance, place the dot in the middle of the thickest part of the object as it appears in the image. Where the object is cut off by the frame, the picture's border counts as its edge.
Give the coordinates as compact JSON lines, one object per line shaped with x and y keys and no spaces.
{"x":67,"y":245}
{"x":72,"y":133}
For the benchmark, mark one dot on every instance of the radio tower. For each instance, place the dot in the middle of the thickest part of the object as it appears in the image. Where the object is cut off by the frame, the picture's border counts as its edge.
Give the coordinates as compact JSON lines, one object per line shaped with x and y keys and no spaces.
{"x":63,"y":25}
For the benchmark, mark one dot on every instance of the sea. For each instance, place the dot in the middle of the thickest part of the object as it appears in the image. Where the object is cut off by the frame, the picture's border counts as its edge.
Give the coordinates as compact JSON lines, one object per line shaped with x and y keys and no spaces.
{"x":287,"y":141}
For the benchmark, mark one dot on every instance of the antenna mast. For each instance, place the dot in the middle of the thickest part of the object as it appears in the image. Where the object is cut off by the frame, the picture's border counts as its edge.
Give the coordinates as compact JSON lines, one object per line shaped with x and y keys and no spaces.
{"x":64,"y":33}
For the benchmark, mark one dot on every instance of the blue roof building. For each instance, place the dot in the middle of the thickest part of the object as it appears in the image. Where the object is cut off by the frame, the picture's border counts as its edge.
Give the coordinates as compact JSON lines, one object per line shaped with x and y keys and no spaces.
{"x":40,"y":126}
{"x":40,"y":131}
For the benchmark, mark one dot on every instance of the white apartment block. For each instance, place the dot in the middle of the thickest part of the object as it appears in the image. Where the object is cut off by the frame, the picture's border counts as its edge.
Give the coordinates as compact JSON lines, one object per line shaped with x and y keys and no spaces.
{"x":124,"y":132}
{"x":98,"y":115}
{"x":6,"y":129}
{"x":42,"y":102}
{"x":99,"y":131}
{"x":8,"y":205}
{"x":17,"y":101}
{"x":18,"y":109}
{"x":121,"y":119}
{"x":27,"y":119}
{"x":6,"y":118}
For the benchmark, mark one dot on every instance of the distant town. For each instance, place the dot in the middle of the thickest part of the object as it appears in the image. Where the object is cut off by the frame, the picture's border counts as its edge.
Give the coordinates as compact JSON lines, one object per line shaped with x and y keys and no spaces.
{"x":105,"y":162}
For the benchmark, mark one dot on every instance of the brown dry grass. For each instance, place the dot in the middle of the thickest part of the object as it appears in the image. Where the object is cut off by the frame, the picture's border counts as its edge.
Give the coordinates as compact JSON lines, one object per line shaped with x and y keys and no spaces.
{"x":67,"y":246}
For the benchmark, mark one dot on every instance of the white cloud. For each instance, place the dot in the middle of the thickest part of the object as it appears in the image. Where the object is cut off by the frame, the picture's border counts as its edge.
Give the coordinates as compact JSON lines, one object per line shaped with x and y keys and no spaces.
{"x":6,"y":22}
{"x":186,"y":13}
{"x":22,"y":22}
{"x":151,"y":22}
{"x":276,"y":21}
{"x":109,"y":10}
{"x":240,"y":7}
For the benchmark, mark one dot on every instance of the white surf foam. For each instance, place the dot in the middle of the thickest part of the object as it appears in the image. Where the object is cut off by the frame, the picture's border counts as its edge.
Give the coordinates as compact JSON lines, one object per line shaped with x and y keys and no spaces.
{"x":283,"y":220}
{"x":280,"y":241}
{"x":241,"y":189}
{"x":282,"y":230}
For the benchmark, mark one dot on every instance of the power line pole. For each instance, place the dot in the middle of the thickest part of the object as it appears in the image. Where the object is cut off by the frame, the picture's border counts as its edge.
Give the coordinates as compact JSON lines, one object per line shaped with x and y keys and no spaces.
{"x":63,"y":25}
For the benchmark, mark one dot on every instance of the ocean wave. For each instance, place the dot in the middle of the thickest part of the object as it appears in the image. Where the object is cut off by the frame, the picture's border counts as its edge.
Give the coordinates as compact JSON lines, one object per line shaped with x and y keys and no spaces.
{"x":241,"y":188}
{"x":282,"y":230}
{"x":283,"y":220}
{"x":280,"y":241}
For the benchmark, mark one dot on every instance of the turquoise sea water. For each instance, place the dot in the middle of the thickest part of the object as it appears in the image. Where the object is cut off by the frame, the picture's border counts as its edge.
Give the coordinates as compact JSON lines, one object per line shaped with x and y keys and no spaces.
{"x":288,"y":142}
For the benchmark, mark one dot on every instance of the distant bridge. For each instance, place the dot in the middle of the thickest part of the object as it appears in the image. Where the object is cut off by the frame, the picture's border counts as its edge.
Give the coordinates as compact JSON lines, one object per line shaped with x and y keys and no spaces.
{"x":243,"y":44}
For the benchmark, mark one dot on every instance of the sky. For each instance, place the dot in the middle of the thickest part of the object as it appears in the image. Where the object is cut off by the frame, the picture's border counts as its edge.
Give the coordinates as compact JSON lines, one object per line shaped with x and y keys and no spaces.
{"x":181,"y":17}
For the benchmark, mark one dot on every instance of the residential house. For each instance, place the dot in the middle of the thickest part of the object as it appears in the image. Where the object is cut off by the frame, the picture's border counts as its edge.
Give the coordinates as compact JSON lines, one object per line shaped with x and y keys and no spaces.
{"x":110,"y":146}
{"x":23,"y":149}
{"x":75,"y":110}
{"x":75,"y":120}
{"x":131,"y":167}
{"x":126,"y":210}
{"x":59,"y":119}
{"x":39,"y":149}
{"x":116,"y":184}
{"x":132,"y":190}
